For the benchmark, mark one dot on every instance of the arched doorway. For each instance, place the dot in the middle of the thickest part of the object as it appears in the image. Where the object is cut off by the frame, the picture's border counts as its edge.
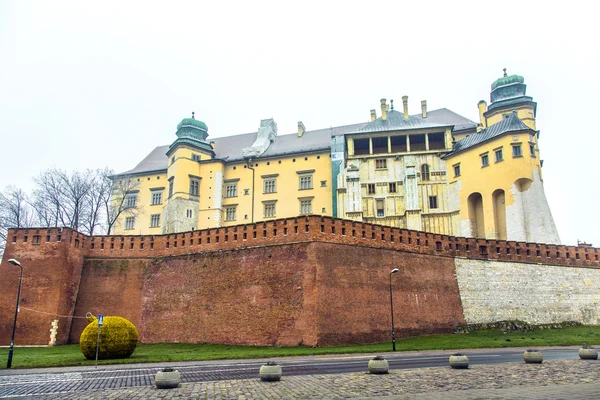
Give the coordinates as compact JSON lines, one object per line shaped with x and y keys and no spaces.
{"x":498,"y":200}
{"x":475,"y":204}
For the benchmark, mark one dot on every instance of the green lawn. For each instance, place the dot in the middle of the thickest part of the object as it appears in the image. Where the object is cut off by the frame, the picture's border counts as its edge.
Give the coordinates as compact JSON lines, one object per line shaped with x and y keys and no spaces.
{"x":30,"y":357}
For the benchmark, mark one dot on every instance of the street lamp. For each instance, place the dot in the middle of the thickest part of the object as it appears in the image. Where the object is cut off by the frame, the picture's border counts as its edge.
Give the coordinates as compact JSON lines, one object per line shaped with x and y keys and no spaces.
{"x":392,"y":309}
{"x":12,"y":340}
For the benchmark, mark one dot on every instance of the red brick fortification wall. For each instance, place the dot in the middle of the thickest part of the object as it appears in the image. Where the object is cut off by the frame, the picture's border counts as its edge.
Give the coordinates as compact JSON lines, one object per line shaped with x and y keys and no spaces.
{"x":354,"y":297}
{"x":259,"y":296}
{"x":52,"y":260}
{"x":110,"y":287}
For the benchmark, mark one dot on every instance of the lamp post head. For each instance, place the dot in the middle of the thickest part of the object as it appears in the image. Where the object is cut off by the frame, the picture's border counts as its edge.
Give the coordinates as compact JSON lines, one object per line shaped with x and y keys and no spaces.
{"x":394,"y":271}
{"x":14,"y":262}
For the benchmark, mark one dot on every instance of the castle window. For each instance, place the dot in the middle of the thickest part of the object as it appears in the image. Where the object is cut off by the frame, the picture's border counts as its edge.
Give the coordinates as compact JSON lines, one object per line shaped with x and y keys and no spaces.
{"x":392,"y":187}
{"x":306,"y":206}
{"x":371,"y":188}
{"x":436,"y":141}
{"x":269,"y":210}
{"x":516,"y":150}
{"x":156,"y":197}
{"x":171,"y":186}
{"x":532,"y":149}
{"x":246,"y":192}
{"x":172,"y":159}
{"x":231,"y":190}
{"x":456,"y":170}
{"x":433,"y":203}
{"x":485,"y":160}
{"x":189,"y":213}
{"x":323,"y":183}
{"x":306,"y":182}
{"x":130,"y":200}
{"x":154,"y":220}
{"x":498,"y":154}
{"x":380,"y":209}
{"x":194,"y":187}
{"x":230,"y":213}
{"x":424,"y":172}
{"x":270,"y":186}
{"x":417,"y":142}
{"x":129,"y":223}
{"x":361,"y":146}
{"x":381,"y":163}
{"x":195,"y":157}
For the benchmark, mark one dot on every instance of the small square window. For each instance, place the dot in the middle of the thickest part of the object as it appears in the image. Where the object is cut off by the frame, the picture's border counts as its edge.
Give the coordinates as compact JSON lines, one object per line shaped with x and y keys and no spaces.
{"x":457,"y":170}
{"x":516,"y":150}
{"x":246,"y":192}
{"x":485,"y":161}
{"x":323,"y":183}
{"x":498,"y":155}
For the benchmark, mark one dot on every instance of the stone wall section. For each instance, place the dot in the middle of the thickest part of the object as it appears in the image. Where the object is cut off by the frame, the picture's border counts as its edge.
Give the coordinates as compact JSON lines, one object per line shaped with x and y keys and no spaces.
{"x":534,"y":293}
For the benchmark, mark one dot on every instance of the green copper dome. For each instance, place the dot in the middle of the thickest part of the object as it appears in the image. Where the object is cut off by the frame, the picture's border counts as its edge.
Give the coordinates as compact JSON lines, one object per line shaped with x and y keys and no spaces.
{"x":192,"y":122}
{"x":507,"y":80}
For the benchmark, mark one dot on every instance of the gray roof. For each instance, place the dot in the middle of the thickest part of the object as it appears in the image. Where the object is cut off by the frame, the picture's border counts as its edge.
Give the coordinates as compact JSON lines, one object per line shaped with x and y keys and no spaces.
{"x":435,"y":119}
{"x":230,"y":148}
{"x":510,"y":124}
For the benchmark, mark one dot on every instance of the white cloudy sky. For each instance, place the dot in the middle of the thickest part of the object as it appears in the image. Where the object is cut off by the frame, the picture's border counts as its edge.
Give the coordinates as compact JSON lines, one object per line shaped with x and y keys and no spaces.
{"x":90,"y":84}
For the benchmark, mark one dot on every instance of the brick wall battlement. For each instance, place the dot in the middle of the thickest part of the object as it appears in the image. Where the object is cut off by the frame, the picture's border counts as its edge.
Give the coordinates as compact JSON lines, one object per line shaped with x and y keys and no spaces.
{"x":307,"y":229}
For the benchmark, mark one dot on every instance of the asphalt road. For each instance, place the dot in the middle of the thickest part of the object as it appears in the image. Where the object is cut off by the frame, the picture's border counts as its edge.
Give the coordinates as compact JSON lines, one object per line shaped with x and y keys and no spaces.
{"x":32,"y":383}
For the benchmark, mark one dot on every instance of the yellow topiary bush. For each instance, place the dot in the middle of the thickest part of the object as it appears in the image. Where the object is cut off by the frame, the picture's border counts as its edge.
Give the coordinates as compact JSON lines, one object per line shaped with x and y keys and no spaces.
{"x":118,"y":338}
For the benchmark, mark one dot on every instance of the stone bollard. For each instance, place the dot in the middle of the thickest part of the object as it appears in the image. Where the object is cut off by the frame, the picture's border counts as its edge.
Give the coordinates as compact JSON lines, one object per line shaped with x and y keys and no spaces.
{"x":459,"y":361}
{"x":270,"y":372}
{"x":167,"y":378}
{"x":533,"y":357}
{"x":378,"y":365}
{"x":587,"y":352}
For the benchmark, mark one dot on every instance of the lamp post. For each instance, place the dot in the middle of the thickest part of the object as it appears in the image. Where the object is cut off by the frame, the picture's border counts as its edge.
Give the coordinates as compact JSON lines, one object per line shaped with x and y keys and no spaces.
{"x":392,"y":309}
{"x":12,"y":339}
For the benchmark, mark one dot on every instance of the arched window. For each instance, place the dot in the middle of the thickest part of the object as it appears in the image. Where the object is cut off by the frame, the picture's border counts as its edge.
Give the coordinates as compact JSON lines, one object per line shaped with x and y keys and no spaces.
{"x":424,"y":172}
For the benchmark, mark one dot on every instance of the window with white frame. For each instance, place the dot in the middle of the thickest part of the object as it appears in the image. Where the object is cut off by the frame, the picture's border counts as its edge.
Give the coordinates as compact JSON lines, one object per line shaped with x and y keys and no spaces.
{"x":230,"y":213}
{"x":156,"y":197}
{"x":154,"y":220}
{"x":306,"y":182}
{"x":270,"y":186}
{"x":189,"y":213}
{"x":194,"y":186}
{"x":131,"y":200}
{"x":129,"y":223}
{"x":306,"y":206}
{"x":380,"y":208}
{"x":269,"y":210}
{"x":231,"y":190}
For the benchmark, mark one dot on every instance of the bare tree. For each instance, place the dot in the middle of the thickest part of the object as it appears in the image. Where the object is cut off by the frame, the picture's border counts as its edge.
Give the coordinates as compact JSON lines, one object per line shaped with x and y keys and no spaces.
{"x":116,"y":204}
{"x":15,"y":212}
{"x":100,"y":190}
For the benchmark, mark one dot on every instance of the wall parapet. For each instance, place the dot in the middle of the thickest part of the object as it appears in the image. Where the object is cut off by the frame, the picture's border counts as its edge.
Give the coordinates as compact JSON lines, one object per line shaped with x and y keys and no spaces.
{"x":307,"y":229}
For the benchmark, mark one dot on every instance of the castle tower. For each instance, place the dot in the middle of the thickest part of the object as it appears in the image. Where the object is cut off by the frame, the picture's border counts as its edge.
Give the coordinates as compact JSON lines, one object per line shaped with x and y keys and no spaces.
{"x":498,"y":170}
{"x":193,"y":180}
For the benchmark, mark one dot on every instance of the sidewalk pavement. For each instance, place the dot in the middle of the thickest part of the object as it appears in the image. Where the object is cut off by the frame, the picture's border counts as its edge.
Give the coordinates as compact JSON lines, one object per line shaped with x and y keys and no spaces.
{"x":556,"y":379}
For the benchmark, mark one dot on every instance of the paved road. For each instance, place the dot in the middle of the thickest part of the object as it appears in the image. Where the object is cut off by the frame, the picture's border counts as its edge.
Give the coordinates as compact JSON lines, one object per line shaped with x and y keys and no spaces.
{"x":13,"y":383}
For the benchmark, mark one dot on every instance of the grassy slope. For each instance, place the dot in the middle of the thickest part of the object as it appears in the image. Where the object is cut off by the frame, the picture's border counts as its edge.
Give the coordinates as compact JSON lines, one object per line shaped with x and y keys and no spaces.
{"x":29,"y":357}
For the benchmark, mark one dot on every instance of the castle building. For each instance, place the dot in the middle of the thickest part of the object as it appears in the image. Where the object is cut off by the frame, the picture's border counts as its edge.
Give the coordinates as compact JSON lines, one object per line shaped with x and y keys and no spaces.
{"x":435,"y":171}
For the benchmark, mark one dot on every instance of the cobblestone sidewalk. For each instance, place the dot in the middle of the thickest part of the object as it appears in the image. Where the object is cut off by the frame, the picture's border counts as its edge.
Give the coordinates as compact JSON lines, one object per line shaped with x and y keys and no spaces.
{"x":565,"y":379}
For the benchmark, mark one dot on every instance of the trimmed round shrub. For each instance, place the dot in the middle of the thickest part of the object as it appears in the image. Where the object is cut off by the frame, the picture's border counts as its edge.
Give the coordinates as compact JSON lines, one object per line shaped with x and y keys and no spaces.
{"x":118,"y":338}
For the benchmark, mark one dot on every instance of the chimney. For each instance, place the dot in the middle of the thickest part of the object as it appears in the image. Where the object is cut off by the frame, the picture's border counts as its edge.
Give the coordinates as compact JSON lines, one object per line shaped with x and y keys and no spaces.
{"x":405,"y":104}
{"x":424,"y":108}
{"x":301,"y":129}
{"x":383,"y":109}
{"x":482,"y":105}
{"x":373,"y":115}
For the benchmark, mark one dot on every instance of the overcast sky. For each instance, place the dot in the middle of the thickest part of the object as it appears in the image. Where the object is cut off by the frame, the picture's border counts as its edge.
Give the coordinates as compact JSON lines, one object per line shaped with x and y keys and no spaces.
{"x":91,"y":84}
